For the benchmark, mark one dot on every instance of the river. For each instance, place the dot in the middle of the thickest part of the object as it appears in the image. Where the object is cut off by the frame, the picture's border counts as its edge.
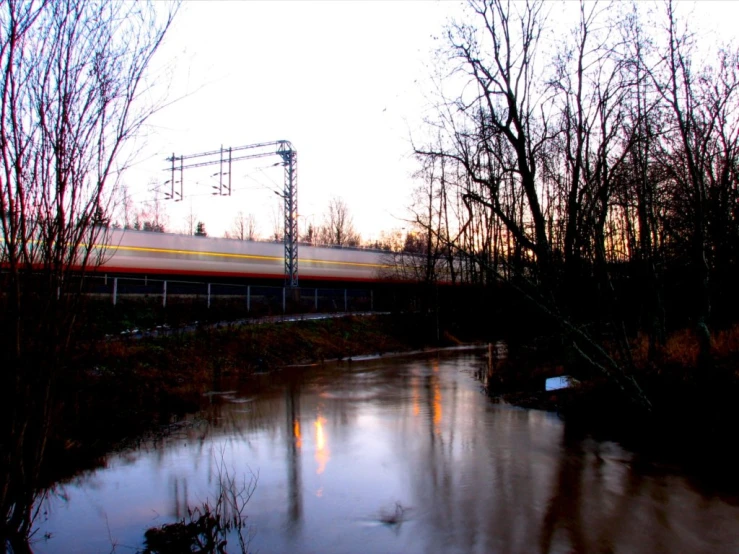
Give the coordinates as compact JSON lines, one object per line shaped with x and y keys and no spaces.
{"x":391,"y":455}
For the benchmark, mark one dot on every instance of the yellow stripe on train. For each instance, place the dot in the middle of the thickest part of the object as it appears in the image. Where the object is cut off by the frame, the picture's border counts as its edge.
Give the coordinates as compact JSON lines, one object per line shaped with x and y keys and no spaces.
{"x":238,"y":256}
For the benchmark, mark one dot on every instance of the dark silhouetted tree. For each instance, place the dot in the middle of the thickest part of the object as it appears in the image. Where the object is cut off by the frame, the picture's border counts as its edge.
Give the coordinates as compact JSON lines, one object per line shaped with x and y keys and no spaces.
{"x":74,"y":92}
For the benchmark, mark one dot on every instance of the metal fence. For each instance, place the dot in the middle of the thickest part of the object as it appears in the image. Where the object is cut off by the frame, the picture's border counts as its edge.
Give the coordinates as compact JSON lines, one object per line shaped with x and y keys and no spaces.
{"x":251,"y":299}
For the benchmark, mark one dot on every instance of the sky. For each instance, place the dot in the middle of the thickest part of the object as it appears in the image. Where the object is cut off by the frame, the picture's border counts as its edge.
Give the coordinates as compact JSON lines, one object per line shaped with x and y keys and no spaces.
{"x":339,"y":80}
{"x":346,"y":82}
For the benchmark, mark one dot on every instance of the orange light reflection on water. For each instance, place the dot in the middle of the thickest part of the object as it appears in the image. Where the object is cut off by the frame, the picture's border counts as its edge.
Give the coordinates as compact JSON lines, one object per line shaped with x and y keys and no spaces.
{"x":296,"y":434}
{"x":437,"y":408}
{"x":322,"y":452}
{"x":436,"y":405}
{"x":415,"y":397}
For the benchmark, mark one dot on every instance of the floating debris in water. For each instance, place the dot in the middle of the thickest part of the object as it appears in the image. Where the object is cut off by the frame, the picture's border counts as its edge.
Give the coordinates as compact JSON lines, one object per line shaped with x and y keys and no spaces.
{"x":561,"y":382}
{"x":396,"y":517}
{"x":219,"y":393}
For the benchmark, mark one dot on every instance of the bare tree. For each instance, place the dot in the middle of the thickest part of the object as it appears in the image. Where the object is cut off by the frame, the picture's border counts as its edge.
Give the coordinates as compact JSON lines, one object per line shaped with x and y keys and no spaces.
{"x":636,"y":184}
{"x":337,"y":228}
{"x":74,"y":92}
{"x":700,"y":147}
{"x":534,"y":151}
{"x":500,"y":60}
{"x":309,"y":236}
{"x":191,"y":221}
{"x":425,"y":255}
{"x":389,"y":241}
{"x":124,"y":208}
{"x":151,"y":216}
{"x":244,"y":227}
{"x":278,"y":222}
{"x":596,"y":184}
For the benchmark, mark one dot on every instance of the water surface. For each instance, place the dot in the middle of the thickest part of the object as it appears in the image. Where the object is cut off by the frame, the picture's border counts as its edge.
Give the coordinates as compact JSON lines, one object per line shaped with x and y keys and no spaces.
{"x":404,"y":455}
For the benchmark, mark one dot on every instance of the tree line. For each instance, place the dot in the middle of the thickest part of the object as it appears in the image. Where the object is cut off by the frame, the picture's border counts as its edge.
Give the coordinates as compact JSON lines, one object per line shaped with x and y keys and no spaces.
{"x":336,"y":227}
{"x":595,"y":170}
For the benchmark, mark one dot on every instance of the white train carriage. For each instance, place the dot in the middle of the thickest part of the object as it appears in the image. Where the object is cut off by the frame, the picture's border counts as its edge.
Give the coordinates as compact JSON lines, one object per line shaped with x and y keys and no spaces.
{"x":163,"y":253}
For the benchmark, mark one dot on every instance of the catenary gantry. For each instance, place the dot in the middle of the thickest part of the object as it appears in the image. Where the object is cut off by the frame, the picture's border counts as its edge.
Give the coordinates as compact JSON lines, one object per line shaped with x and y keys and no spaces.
{"x":225,"y":157}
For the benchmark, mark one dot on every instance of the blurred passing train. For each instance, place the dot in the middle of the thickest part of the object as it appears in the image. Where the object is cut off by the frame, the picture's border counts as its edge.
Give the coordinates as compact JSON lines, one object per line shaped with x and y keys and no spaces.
{"x":147,"y":253}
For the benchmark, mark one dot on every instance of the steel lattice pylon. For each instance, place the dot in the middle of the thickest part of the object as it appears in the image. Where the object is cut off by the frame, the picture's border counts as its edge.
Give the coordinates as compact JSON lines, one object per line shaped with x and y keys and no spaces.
{"x":284,"y":149}
{"x":290,"y":159}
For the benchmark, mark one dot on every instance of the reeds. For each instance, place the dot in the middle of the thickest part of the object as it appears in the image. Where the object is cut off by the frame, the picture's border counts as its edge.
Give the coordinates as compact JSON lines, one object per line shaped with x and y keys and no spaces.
{"x":207,"y":527}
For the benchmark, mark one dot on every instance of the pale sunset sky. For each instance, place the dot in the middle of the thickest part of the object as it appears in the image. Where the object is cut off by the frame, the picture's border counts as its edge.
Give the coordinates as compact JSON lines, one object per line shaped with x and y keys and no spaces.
{"x":347,"y":82}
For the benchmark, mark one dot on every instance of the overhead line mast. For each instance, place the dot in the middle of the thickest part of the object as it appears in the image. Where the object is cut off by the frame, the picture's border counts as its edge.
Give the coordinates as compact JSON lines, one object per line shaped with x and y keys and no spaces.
{"x":222,"y":156}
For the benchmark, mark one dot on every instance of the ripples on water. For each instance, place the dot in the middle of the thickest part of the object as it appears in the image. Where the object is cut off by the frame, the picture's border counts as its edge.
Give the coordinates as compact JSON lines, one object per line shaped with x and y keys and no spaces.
{"x":391,"y":456}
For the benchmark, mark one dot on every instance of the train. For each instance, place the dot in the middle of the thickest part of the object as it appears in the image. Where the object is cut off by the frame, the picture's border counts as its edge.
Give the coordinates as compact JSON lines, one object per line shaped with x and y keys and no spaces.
{"x":147,"y":253}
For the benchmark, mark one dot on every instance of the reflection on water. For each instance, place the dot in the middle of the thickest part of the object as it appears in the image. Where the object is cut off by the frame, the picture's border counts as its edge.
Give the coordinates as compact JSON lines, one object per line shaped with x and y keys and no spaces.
{"x":294,"y":443}
{"x":338,"y":449}
{"x":322,"y":452}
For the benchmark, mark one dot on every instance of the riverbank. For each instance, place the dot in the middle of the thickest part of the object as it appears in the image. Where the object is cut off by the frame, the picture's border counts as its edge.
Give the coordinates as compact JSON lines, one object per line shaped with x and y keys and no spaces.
{"x":384,"y":454}
{"x":693,"y":412}
{"x":124,"y":388}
